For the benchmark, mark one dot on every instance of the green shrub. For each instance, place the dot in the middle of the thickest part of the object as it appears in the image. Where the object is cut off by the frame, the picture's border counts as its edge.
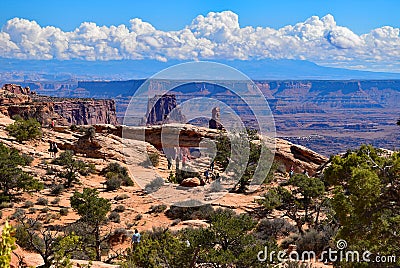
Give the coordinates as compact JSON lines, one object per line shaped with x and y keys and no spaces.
{"x":154,"y":159}
{"x":115,"y":170}
{"x":27,"y":159}
{"x":119,"y":208}
{"x":274,"y":228}
{"x":113,"y":183}
{"x":28,"y":204}
{"x":12,"y":176}
{"x":64,"y":211}
{"x":45,"y":210}
{"x":157,"y":208}
{"x":114,"y":217}
{"x":42,"y":201}
{"x":72,"y":167}
{"x":23,"y":130}
{"x":138,"y":217}
{"x":18,"y":213}
{"x":55,"y":201}
{"x":50,"y":171}
{"x":32,"y":210}
{"x":57,"y":189}
{"x":184,"y":213}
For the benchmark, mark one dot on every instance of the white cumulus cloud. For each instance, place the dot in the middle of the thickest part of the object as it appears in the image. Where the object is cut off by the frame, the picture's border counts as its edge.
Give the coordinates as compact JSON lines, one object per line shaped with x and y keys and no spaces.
{"x":218,"y":35}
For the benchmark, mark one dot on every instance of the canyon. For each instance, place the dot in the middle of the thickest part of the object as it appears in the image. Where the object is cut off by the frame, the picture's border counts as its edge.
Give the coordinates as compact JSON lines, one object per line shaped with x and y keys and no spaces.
{"x":327,"y":116}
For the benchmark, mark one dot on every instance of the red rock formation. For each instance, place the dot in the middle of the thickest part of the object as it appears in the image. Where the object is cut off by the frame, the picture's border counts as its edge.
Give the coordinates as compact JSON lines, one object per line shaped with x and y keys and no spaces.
{"x":159,"y":110}
{"x":214,"y":122}
{"x":15,"y":100}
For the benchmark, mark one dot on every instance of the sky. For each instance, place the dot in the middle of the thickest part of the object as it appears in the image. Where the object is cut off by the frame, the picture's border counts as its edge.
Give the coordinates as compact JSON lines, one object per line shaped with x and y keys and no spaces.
{"x":355,"y":34}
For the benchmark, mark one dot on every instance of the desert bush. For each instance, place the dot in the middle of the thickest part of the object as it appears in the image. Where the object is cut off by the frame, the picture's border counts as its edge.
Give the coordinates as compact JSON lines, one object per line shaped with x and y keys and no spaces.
{"x":190,"y":213}
{"x":23,"y":238}
{"x":121,"y":197}
{"x":57,"y":189}
{"x":290,"y":240}
{"x":50,"y":171}
{"x":154,"y":159}
{"x":72,"y":166}
{"x":113,"y":183}
{"x":28,"y":204}
{"x":23,"y":130}
{"x":90,"y":132}
{"x":55,"y":201}
{"x":45,"y":210}
{"x":6,"y":205}
{"x":73,"y":128}
{"x":27,"y":159}
{"x":274,"y":228}
{"x":32,"y":210}
{"x":115,"y":170}
{"x":157,"y":208}
{"x":12,"y":176}
{"x":114,"y":217}
{"x":138,"y":217}
{"x":18,"y":213}
{"x":64,"y":211}
{"x":316,"y":240}
{"x":154,"y":185}
{"x":119,"y":208}
{"x":42,"y":201}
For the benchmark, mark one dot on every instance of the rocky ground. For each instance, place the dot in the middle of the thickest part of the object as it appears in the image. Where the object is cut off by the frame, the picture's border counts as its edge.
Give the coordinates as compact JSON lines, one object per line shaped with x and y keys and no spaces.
{"x":106,"y":148}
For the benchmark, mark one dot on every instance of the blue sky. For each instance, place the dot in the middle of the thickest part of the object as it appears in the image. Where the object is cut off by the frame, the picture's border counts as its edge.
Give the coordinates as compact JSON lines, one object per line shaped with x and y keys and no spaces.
{"x":359,"y":15}
{"x":352,"y":34}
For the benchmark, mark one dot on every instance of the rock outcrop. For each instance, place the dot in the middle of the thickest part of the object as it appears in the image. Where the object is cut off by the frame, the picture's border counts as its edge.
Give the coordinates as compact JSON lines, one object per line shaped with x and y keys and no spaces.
{"x":300,"y":157}
{"x":185,"y":135}
{"x":163,"y":109}
{"x":215,"y":121}
{"x":191,"y":182}
{"x":170,"y":135}
{"x":16,"y":100}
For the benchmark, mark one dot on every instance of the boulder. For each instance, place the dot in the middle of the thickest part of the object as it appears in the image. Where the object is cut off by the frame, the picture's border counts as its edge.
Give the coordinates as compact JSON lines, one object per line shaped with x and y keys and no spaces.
{"x":191,"y":182}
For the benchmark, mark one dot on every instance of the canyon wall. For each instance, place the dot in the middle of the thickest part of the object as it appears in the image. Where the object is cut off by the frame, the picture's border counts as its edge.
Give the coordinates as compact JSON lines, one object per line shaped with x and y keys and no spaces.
{"x":16,"y":100}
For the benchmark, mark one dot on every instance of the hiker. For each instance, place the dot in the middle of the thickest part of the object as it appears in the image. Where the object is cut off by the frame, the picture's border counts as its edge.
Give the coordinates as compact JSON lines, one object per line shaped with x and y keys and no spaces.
{"x":305,"y":172}
{"x":206,"y":174}
{"x":135,"y":239}
{"x":169,"y":162}
{"x":212,"y":165}
{"x":55,"y":149}
{"x":51,"y":149}
{"x":53,"y":124}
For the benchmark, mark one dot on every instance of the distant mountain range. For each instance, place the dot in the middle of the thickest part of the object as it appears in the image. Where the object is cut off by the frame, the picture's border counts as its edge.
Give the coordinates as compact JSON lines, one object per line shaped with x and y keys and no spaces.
{"x":56,"y":70}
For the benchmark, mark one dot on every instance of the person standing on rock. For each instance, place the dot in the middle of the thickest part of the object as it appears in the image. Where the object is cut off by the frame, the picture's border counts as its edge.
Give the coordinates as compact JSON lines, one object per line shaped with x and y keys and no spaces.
{"x":55,"y":149}
{"x":207,"y":175}
{"x":212,"y":165}
{"x":51,"y":149}
{"x":169,"y":162}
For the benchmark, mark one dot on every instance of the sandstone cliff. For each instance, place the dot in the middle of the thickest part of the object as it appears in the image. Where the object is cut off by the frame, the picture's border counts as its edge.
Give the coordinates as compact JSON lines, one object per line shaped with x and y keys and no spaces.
{"x":163,"y":109}
{"x":15,"y":100}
